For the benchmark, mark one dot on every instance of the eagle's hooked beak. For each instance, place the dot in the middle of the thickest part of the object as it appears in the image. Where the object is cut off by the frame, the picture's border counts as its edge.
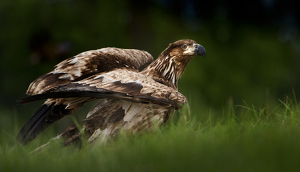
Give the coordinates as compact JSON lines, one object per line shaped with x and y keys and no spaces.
{"x":200,"y":50}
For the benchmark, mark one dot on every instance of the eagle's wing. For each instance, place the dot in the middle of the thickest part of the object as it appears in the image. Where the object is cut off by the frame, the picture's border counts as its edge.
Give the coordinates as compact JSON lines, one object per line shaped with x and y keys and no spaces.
{"x":118,"y":88}
{"x":123,"y":84}
{"x":71,"y":70}
{"x":88,"y":63}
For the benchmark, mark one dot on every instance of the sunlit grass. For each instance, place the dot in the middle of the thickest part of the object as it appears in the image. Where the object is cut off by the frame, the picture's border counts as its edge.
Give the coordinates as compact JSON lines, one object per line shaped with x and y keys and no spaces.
{"x":240,"y":138}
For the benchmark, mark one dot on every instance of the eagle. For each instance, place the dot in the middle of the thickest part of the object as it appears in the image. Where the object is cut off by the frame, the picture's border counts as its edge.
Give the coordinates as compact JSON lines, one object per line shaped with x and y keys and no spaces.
{"x":129,"y":100}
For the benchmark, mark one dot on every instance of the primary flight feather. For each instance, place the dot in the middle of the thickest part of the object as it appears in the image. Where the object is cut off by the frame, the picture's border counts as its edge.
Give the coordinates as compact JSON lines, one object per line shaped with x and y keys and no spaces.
{"x":129,"y":100}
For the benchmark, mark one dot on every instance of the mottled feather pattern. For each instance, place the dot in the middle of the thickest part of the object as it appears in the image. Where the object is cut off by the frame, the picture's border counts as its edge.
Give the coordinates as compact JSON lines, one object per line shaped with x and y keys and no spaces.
{"x":88,"y":63}
{"x":136,"y":118}
{"x":131,"y":83}
{"x":149,"y":86}
{"x":129,"y":100}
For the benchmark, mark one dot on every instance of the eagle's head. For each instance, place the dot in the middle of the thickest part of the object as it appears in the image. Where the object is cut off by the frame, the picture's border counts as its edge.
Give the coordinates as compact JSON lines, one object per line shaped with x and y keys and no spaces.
{"x":183,"y":50}
{"x":171,"y":63}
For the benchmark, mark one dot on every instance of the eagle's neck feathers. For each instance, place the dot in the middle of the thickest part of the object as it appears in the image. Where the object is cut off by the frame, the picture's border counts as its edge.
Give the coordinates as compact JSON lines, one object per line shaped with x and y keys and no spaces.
{"x":166,"y":70}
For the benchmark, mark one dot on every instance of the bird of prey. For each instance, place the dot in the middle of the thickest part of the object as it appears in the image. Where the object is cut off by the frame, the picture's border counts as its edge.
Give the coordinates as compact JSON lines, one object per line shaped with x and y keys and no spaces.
{"x":130,"y":101}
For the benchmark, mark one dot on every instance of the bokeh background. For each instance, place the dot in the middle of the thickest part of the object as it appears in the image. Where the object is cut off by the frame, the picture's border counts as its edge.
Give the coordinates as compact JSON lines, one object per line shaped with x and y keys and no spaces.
{"x":253,"y":47}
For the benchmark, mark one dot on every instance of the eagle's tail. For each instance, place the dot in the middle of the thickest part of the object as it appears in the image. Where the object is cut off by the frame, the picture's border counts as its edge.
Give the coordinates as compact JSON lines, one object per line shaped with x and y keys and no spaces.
{"x":38,"y":122}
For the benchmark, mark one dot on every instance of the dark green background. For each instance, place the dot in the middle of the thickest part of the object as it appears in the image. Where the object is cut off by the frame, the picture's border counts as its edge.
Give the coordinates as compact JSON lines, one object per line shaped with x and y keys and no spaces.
{"x":253,"y":52}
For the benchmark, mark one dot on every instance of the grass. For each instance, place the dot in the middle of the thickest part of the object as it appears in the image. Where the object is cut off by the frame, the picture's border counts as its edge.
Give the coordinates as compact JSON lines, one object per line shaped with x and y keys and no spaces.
{"x":240,"y":138}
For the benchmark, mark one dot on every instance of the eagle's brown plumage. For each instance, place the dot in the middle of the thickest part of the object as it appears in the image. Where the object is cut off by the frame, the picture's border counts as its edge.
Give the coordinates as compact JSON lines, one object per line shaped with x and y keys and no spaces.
{"x":129,"y":100}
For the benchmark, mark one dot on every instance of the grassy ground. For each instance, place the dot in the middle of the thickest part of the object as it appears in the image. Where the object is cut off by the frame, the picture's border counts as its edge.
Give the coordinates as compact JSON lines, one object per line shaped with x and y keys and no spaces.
{"x":240,"y":138}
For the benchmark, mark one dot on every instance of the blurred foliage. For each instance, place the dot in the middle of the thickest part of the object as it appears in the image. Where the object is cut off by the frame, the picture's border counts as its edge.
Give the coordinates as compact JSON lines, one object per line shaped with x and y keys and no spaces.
{"x":243,"y":139}
{"x":252,"y":51}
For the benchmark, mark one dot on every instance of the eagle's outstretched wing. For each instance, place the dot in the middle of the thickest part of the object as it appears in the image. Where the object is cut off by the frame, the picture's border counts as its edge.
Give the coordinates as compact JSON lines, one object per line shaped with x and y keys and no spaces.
{"x":121,"y":84}
{"x":88,"y":63}
{"x":74,"y":69}
{"x":117,"y":87}
{"x":124,"y":84}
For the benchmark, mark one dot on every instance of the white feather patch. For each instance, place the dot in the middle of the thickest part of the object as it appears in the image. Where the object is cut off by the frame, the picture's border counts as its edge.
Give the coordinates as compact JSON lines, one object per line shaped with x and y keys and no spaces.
{"x":95,"y":135}
{"x":66,"y":76}
{"x":132,"y":110}
{"x":73,"y":61}
{"x":105,"y":134}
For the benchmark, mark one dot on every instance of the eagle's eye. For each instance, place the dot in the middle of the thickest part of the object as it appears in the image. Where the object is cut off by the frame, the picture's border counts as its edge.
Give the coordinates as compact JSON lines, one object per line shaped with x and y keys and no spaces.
{"x":183,"y":46}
